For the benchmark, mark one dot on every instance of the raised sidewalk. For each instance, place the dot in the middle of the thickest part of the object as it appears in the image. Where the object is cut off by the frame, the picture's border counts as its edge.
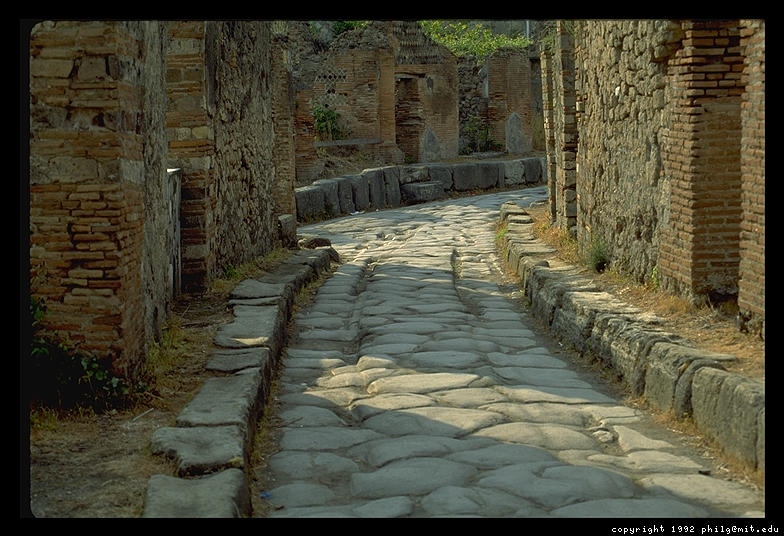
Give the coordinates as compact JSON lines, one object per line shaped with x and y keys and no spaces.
{"x":667,"y":370}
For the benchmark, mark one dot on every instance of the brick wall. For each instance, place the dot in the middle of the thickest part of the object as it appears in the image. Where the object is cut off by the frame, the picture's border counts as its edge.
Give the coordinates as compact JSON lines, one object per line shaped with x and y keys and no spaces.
{"x":509,"y":100}
{"x":699,"y":253}
{"x":191,"y":138}
{"x":93,"y":158}
{"x":751,"y":281}
{"x":669,"y":168}
{"x":561,"y":128}
{"x":283,"y":122}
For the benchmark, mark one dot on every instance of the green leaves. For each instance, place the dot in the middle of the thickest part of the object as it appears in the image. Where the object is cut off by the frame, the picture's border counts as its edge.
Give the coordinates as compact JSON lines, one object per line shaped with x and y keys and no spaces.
{"x":474,"y":40}
{"x":61,"y":377}
{"x":325,"y":121}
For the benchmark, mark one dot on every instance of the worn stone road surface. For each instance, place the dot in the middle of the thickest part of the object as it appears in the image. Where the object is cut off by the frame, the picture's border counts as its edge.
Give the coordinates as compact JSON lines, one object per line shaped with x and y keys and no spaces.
{"x":417,"y":385}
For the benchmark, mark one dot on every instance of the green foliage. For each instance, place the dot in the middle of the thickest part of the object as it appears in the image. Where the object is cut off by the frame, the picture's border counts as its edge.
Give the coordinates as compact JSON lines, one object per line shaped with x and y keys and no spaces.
{"x":653,"y":279}
{"x":598,"y":255}
{"x":474,"y":40}
{"x":340,"y":26}
{"x":64,"y":379}
{"x":477,"y":134}
{"x":325,"y":122}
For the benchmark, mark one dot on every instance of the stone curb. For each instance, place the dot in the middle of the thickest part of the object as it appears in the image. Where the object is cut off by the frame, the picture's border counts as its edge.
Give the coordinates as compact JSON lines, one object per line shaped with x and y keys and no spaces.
{"x":393,"y":186}
{"x":664,"y":368}
{"x":213,"y":435}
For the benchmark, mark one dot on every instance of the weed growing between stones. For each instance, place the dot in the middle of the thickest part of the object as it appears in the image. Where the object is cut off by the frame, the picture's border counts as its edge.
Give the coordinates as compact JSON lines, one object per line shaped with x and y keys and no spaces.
{"x":598,"y":255}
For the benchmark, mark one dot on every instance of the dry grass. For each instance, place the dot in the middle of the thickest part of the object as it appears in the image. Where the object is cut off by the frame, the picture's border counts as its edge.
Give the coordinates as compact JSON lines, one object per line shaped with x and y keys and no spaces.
{"x":709,"y":327}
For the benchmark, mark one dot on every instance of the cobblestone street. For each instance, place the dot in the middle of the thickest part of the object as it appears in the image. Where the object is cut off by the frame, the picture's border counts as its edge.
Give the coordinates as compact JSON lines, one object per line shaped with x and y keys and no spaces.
{"x":416,"y":384}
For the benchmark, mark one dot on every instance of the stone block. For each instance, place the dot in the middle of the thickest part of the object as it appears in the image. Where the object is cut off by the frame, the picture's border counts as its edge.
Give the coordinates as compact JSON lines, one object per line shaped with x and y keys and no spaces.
{"x":360,"y":191}
{"x":345,"y":195}
{"x":441,"y":173}
{"x":533,"y":170}
{"x":331,"y":199}
{"x":514,"y":172}
{"x":667,"y":383}
{"x":731,"y":409}
{"x":310,"y":202}
{"x":376,"y":187}
{"x":392,"y":186}
{"x":223,"y":494}
{"x":421,"y":192}
{"x":410,"y":174}
{"x":287,"y":230}
{"x":477,"y":176}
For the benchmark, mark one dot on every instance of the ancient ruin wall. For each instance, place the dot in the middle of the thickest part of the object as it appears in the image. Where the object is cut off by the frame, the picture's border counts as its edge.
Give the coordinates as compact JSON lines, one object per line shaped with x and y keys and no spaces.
{"x":751,"y":281}
{"x":699,"y":251}
{"x":622,"y":108}
{"x":283,"y":126}
{"x":509,"y":100}
{"x":99,"y":230}
{"x":561,"y":128}
{"x":239,"y":53}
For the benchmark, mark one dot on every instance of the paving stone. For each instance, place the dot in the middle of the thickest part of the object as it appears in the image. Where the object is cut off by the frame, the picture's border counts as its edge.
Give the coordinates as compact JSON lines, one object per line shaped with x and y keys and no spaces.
{"x":565,"y":395}
{"x":497,"y":455}
{"x":410,"y":476}
{"x":715,"y":491}
{"x":302,"y":464}
{"x":324,"y":437}
{"x":541,"y":377}
{"x":631,"y":508}
{"x":382,"y":451}
{"x":387,"y":507}
{"x":649,"y":460}
{"x":468,"y":397}
{"x":432,"y":420}
{"x":421,"y":383}
{"x":565,"y":414}
{"x":309,"y":416}
{"x":388,"y":402}
{"x":454,"y":500}
{"x":301,"y":494}
{"x":550,"y":436}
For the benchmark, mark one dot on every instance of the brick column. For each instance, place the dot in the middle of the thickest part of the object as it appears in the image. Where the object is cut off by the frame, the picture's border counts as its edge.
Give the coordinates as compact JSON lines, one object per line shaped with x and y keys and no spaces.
{"x":87,"y":186}
{"x":699,"y":253}
{"x":751,"y":283}
{"x":191,"y":147}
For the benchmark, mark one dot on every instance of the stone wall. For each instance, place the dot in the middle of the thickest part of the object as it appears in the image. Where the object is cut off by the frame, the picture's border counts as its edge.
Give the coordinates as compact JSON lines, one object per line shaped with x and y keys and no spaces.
{"x":99,"y":219}
{"x":426,"y":101}
{"x":621,"y":110}
{"x":113,"y":106}
{"x":667,"y":144}
{"x":221,"y":136}
{"x":245,"y":227}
